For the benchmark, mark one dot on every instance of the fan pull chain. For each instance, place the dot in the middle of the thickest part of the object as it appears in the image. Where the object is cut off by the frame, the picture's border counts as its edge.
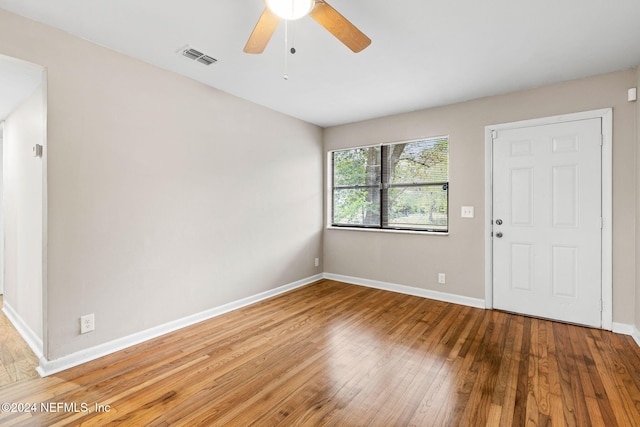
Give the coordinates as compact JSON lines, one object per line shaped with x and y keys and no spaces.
{"x":286,"y":57}
{"x":286,"y":47}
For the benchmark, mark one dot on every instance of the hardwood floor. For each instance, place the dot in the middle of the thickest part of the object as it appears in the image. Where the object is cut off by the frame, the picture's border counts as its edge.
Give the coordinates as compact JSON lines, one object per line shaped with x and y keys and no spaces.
{"x":344,"y":355}
{"x":17,"y":361}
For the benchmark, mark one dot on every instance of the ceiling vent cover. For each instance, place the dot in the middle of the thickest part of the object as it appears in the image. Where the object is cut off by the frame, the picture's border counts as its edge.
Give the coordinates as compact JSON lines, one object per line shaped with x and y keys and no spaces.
{"x":196,"y":55}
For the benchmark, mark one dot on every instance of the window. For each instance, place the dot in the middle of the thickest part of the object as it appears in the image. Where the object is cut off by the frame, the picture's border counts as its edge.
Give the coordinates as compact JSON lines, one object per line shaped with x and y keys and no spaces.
{"x":392,"y":186}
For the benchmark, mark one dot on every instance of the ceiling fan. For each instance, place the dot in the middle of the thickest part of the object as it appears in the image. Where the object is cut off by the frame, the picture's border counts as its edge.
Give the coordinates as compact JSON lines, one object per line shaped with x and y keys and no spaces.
{"x":319,"y":10}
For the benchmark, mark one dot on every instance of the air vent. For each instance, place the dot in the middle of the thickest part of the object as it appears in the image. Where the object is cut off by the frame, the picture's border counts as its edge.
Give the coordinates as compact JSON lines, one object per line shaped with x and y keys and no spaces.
{"x":207,"y":60}
{"x":196,"y":55}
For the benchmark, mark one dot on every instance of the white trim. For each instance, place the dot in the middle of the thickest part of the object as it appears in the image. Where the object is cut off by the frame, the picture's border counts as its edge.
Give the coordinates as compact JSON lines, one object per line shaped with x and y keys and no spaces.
{"x":49,"y":367}
{"x":607,"y":214}
{"x":488,"y":214}
{"x":45,"y":209}
{"x":390,"y":230}
{"x":30,"y":337}
{"x":636,"y":335}
{"x":409,"y":290}
{"x":622,"y":328}
{"x":606,"y":115}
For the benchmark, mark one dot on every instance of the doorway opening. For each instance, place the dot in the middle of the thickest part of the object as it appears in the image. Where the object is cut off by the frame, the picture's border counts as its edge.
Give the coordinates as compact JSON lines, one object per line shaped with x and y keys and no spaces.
{"x":23,"y":195}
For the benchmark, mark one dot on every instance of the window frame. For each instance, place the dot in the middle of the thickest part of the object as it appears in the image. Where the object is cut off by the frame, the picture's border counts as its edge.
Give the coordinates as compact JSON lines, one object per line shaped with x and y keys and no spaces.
{"x":384,"y":188}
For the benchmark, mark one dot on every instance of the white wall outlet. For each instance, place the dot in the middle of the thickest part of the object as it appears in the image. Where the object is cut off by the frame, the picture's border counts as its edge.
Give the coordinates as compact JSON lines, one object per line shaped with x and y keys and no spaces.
{"x":466,"y":212}
{"x":316,"y":262}
{"x":87,"y":323}
{"x":442,"y":278}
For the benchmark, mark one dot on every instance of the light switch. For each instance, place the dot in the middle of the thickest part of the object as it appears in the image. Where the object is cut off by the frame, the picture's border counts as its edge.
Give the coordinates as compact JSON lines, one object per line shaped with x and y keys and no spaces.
{"x":467,"y":212}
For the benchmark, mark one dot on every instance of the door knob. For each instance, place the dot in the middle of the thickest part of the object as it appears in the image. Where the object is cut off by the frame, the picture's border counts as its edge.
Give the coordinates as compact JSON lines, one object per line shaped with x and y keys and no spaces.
{"x":498,"y":221}
{"x":498,"y":234}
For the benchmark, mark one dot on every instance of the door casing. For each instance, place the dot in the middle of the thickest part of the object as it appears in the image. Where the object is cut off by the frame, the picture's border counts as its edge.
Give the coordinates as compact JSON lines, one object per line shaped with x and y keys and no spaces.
{"x":606,"y":115}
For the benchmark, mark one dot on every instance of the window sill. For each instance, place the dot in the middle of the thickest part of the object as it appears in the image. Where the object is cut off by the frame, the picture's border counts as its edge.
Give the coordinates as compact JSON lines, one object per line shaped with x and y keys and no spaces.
{"x":389,"y":230}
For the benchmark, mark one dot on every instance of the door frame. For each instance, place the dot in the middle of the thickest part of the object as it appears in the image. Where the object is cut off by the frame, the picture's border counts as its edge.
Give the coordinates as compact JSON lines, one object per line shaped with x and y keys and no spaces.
{"x":606,"y":115}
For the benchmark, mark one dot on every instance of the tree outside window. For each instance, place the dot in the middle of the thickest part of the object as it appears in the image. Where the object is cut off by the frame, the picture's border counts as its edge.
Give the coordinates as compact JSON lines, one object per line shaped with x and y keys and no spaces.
{"x":395,"y":186}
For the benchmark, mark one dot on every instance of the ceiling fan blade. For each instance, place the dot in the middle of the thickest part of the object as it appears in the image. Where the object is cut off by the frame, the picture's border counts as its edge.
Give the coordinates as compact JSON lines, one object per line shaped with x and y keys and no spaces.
{"x":339,"y":26}
{"x":262,"y":32}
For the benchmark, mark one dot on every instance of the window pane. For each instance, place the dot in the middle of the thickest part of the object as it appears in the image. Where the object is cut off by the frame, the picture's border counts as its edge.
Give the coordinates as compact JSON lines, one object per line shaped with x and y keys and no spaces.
{"x":360,"y":166}
{"x":423,"y":207}
{"x":418,"y":162}
{"x":359,"y":206}
{"x":392,"y":186}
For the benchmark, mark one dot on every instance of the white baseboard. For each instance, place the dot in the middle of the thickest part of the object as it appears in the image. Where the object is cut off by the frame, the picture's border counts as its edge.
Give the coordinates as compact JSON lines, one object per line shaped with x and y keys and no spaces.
{"x":30,"y":337}
{"x":49,"y":367}
{"x":622,"y":328}
{"x":408,"y":290}
{"x":636,"y":335}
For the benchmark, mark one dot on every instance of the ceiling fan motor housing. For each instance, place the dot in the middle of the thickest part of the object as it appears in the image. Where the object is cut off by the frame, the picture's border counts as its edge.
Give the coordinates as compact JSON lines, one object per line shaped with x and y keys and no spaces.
{"x":319,"y":10}
{"x":290,"y":9}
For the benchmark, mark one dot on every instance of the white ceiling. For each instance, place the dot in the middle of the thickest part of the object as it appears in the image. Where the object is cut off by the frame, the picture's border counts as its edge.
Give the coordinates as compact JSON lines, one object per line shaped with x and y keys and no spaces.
{"x":423,"y":53}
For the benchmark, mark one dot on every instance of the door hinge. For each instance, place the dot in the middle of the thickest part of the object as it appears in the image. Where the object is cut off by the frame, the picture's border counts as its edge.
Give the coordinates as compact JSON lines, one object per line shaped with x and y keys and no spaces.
{"x":601,"y":223}
{"x":601,"y":306}
{"x":494,"y":134}
{"x":601,"y":140}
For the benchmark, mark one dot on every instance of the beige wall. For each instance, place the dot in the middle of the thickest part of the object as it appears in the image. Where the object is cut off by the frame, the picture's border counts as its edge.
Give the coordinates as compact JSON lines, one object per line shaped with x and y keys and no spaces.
{"x":23,"y":209}
{"x":165,"y":197}
{"x":414,"y":260}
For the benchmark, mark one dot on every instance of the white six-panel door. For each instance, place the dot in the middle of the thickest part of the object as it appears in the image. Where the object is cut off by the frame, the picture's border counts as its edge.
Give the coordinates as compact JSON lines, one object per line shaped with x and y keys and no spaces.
{"x":547,"y":221}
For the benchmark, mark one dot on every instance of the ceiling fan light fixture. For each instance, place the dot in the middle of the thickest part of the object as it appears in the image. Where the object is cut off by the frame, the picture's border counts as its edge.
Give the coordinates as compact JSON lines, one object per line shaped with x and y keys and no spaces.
{"x":290,"y":9}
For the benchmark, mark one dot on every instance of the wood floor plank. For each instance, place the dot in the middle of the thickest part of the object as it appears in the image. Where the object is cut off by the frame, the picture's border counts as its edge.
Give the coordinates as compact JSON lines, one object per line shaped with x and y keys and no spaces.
{"x":486,"y":365}
{"x":511,"y":356}
{"x":17,"y":361}
{"x":618,"y":391}
{"x":334,"y":354}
